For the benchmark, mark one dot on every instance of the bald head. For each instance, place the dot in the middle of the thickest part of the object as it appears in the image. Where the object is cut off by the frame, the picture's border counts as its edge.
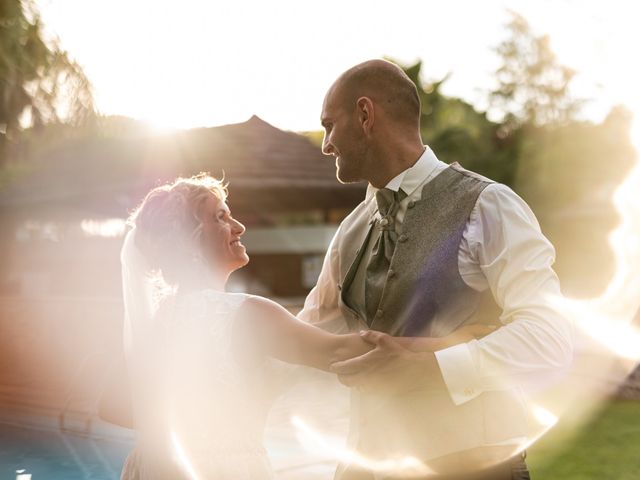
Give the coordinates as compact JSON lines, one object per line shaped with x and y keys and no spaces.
{"x":385,"y":84}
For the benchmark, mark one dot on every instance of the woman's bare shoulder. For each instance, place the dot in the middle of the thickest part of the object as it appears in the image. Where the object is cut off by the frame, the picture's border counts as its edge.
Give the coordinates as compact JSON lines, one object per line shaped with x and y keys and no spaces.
{"x":261,"y":307}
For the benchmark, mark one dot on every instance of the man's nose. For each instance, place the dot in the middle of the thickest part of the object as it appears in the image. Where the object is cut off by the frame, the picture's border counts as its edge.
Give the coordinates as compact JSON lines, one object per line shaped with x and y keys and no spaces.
{"x":327,"y":147}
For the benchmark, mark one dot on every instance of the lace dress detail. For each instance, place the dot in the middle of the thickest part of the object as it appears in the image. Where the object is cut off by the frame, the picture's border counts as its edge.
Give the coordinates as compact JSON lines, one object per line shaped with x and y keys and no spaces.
{"x":201,"y":410}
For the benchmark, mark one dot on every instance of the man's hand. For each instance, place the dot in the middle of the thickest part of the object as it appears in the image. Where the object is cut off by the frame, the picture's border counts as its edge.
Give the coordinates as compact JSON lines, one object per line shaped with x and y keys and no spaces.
{"x":389,"y":365}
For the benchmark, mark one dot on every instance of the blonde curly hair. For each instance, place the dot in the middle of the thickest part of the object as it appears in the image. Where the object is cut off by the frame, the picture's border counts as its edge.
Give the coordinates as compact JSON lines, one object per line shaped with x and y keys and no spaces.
{"x":168,"y":227}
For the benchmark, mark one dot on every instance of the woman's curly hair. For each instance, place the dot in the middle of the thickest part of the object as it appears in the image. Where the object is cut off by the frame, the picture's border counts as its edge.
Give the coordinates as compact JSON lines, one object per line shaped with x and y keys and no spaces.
{"x":168,"y":227}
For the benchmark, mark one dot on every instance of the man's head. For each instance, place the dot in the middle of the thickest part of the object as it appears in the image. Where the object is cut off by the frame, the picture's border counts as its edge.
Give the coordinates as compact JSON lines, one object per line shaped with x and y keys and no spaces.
{"x":370,"y":107}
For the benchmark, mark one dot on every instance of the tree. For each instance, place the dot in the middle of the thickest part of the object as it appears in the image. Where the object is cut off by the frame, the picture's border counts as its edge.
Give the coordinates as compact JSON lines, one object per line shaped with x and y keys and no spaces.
{"x":459,"y":133}
{"x":533,"y":88}
{"x":39,"y":82}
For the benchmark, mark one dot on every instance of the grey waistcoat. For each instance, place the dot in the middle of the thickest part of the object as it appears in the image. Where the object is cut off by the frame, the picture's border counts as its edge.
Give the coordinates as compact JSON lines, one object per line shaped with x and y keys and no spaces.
{"x":424,"y":278}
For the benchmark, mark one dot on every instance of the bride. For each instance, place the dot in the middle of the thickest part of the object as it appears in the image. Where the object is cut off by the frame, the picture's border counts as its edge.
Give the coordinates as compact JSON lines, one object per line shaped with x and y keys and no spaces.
{"x":200,"y":359}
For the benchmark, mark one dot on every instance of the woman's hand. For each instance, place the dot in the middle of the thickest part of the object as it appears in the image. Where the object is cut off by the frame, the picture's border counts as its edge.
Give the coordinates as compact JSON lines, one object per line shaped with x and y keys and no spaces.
{"x":349,"y":346}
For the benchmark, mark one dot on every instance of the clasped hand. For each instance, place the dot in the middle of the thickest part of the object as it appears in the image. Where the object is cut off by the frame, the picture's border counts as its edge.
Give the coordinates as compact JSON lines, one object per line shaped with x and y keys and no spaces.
{"x":388,"y":365}
{"x":401,"y":363}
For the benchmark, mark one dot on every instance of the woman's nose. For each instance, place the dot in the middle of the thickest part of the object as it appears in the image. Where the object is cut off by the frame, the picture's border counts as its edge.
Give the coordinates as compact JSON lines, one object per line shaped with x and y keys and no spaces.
{"x":238,"y":228}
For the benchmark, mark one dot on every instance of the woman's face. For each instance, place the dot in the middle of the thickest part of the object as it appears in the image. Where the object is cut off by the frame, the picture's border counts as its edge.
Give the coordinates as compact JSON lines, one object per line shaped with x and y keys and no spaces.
{"x":221,"y":236}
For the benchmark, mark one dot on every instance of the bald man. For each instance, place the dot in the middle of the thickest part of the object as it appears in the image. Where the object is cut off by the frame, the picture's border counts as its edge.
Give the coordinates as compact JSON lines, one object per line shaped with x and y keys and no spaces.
{"x":431,"y":248}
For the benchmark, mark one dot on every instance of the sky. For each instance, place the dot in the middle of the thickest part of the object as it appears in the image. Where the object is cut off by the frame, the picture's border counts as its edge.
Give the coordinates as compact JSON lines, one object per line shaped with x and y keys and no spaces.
{"x":193,"y":63}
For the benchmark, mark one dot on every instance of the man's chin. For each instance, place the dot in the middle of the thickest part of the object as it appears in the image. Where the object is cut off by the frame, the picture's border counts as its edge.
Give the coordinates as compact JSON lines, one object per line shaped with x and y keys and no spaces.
{"x":346,"y":177}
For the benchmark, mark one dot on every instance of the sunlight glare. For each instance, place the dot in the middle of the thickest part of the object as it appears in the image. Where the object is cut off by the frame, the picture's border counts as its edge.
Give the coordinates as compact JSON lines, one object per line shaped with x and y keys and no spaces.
{"x":315,"y":441}
{"x":544,"y":416}
{"x":108,"y":228}
{"x":182,"y":456}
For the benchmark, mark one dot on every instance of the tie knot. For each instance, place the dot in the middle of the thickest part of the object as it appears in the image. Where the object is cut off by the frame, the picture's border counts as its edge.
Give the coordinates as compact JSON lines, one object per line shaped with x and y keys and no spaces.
{"x":388,"y":200}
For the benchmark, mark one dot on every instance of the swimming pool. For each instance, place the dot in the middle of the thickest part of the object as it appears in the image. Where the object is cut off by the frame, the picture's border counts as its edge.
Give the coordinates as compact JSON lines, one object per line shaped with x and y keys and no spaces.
{"x":37,"y":446}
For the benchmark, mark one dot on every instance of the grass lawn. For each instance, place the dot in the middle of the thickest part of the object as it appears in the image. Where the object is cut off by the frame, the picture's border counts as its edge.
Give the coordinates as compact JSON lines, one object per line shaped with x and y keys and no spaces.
{"x":606,"y":448}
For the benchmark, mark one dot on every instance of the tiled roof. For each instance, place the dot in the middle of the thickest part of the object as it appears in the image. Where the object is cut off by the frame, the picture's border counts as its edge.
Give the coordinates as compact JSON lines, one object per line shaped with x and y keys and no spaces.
{"x":262,"y":163}
{"x":255,"y":151}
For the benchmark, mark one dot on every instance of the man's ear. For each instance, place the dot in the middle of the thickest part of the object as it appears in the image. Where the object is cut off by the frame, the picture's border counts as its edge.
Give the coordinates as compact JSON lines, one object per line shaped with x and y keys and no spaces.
{"x":364,"y":107}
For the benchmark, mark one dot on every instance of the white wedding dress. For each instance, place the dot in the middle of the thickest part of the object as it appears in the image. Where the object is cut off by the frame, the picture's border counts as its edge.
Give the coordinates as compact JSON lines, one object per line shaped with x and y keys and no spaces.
{"x":199,"y":411}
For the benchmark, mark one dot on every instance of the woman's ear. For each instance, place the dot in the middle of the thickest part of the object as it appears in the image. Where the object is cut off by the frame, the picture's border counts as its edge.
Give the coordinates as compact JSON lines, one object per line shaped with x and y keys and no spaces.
{"x":364,"y":107}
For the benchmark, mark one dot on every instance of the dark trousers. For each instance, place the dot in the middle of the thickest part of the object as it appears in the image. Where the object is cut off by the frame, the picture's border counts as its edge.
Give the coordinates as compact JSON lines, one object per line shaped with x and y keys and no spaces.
{"x":513,"y":469}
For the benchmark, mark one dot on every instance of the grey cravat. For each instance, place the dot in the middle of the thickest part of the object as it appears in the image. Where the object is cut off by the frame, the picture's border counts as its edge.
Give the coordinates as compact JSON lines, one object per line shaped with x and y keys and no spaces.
{"x":378,"y":267}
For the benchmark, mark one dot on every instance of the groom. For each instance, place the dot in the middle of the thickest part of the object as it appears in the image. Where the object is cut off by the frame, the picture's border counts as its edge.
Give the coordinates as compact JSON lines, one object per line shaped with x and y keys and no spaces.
{"x":431,"y":248}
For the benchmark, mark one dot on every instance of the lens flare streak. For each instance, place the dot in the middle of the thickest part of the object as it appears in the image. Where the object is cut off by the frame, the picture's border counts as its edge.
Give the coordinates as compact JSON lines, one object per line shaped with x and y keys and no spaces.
{"x":405,"y":466}
{"x":607,"y":319}
{"x":182,"y":456}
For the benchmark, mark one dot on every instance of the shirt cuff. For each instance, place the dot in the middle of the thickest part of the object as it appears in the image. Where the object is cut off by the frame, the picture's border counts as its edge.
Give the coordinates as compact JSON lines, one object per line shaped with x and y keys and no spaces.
{"x":459,"y":373}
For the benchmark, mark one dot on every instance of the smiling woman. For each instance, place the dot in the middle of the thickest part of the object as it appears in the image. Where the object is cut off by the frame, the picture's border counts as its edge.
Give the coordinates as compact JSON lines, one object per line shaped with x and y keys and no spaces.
{"x":188,"y":234}
{"x":221,"y":235}
{"x":199,"y":383}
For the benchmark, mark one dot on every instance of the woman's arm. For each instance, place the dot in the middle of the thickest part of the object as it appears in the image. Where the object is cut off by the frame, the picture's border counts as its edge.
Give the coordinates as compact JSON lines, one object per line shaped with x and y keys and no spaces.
{"x":463,"y":334}
{"x":271,"y":330}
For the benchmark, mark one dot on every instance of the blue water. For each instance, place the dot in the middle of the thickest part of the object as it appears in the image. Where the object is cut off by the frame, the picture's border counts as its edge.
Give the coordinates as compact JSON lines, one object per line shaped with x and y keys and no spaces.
{"x":38,"y":446}
{"x":49,"y":454}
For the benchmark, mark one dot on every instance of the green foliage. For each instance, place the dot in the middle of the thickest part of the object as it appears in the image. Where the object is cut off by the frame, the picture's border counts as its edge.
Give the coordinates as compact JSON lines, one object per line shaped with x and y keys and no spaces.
{"x":532,"y":87}
{"x":459,"y":133}
{"x":39,"y":83}
{"x":566,"y":170}
{"x":568,"y":175}
{"x":577,"y":163}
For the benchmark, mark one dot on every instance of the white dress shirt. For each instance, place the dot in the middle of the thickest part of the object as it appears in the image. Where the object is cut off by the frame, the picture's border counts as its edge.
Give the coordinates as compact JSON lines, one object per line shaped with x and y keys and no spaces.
{"x":502,"y":249}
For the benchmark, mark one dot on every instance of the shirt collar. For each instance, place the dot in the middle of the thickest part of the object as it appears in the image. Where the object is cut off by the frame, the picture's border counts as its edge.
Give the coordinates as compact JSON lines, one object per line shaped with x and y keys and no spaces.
{"x":412,"y":177}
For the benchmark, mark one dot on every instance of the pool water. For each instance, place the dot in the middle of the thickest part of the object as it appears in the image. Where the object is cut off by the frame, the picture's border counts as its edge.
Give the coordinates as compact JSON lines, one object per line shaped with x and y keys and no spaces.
{"x":43,"y":451}
{"x":37,"y":445}
{"x":48,"y":454}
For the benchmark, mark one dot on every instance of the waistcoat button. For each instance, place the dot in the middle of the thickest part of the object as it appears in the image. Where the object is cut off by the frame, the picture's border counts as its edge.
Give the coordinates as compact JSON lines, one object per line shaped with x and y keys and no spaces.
{"x":403,"y":238}
{"x":411,"y":204}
